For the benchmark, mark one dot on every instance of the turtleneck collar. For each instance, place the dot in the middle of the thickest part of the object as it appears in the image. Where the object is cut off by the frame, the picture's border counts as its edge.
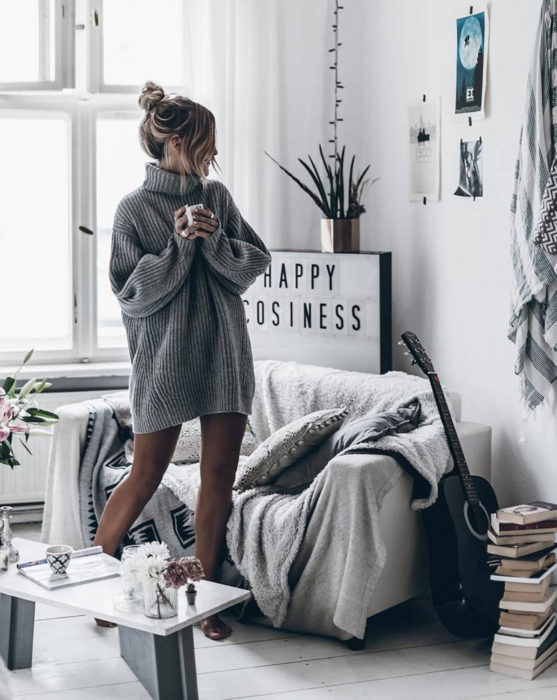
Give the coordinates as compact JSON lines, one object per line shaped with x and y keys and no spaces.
{"x":160,"y":180}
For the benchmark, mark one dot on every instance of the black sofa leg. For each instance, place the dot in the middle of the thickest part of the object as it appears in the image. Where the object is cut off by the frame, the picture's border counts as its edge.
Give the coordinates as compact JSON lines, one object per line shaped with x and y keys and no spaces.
{"x":355,"y":644}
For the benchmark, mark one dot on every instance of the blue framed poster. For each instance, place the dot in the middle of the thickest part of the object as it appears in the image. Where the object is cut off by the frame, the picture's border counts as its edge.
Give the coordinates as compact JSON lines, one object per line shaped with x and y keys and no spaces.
{"x":472,"y":35}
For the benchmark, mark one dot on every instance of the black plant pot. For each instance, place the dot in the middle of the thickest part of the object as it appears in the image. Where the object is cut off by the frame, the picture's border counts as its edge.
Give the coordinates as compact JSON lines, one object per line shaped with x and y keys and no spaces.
{"x":191,"y":596}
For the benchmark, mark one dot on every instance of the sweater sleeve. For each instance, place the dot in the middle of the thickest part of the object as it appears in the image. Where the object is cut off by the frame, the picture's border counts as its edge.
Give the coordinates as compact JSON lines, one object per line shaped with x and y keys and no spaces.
{"x":143,"y":282}
{"x":236,"y":256}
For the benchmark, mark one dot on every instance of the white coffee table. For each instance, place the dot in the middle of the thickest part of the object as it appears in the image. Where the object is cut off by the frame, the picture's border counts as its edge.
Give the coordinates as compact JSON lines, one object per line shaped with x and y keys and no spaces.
{"x":159,"y":652}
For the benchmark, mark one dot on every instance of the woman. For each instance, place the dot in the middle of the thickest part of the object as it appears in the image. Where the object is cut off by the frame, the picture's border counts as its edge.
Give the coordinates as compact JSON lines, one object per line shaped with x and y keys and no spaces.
{"x":179,"y":288}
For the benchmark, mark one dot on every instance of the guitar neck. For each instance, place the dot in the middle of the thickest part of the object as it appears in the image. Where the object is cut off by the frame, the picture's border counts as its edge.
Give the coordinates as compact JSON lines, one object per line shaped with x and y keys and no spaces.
{"x":460,"y":465}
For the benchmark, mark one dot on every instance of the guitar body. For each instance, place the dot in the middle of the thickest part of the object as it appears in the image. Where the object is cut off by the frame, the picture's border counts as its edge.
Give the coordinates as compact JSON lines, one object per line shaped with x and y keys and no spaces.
{"x":465,"y":598}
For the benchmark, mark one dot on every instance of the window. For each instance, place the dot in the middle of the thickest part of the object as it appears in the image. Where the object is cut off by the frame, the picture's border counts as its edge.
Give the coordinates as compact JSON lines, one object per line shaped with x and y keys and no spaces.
{"x":70,"y":75}
{"x":36,"y":37}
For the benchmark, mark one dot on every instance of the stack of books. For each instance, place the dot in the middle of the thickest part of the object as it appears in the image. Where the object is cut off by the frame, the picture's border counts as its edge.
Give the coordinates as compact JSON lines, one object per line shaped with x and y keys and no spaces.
{"x":522,"y":541}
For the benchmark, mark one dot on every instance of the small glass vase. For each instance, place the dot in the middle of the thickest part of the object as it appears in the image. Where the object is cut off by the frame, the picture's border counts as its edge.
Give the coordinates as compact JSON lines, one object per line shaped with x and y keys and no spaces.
{"x":131,"y":594}
{"x":6,"y":532}
{"x":159,"y":601}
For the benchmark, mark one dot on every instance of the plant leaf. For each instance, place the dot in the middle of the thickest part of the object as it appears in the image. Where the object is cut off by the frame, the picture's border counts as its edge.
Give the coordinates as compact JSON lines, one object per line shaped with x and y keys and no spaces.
{"x":351,"y":172}
{"x":8,"y":384}
{"x":43,"y":412}
{"x":341,"y":182}
{"x":322,"y":186}
{"x":330,"y":177}
{"x":24,"y":445}
{"x":318,"y":184}
{"x":300,"y":183}
{"x":362,"y":175}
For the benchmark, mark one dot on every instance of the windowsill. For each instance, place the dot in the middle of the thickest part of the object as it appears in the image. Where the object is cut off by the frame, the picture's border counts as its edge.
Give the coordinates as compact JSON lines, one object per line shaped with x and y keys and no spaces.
{"x":74,"y":376}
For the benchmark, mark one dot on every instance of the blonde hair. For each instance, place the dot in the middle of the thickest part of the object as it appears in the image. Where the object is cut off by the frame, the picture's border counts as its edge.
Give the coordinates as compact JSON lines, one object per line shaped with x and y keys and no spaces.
{"x":166,"y":115}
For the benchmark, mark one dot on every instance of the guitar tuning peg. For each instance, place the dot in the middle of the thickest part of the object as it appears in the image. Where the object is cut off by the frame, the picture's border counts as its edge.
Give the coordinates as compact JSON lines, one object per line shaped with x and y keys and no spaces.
{"x":413,"y":362}
{"x":400,"y":342}
{"x":406,"y":353}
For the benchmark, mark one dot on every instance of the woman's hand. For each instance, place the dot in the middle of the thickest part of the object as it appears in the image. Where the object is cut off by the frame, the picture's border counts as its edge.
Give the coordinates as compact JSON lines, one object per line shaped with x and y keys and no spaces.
{"x":180,"y":221}
{"x":204,"y":224}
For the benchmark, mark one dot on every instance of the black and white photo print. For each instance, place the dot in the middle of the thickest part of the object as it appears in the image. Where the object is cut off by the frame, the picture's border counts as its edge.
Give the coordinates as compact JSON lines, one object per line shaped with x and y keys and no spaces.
{"x":471,"y":169}
{"x":424,"y":137}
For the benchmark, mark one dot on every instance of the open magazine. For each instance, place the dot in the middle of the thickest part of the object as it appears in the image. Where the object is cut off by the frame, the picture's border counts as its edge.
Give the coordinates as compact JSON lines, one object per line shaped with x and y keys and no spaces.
{"x":80,"y":570}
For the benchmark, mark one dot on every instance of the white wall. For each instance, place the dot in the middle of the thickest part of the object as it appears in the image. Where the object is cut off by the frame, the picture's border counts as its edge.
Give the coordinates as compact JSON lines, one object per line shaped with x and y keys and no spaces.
{"x":451,"y":259}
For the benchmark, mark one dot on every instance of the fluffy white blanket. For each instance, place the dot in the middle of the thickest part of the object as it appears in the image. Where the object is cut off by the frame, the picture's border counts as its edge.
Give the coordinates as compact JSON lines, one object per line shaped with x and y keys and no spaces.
{"x":266,"y":528}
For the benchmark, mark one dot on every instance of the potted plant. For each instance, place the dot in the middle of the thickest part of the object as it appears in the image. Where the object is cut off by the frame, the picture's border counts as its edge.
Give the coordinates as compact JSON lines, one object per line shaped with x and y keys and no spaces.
{"x":341,"y":204}
{"x":19,"y":411}
{"x":195,"y":573}
{"x":185,"y":571}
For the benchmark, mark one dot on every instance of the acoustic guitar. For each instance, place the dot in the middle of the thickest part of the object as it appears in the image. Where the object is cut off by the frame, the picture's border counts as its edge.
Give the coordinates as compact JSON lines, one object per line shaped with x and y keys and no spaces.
{"x":466,"y":600}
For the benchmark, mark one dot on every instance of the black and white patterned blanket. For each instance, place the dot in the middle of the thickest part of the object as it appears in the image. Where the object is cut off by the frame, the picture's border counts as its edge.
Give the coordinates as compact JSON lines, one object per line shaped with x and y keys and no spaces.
{"x":164,"y":519}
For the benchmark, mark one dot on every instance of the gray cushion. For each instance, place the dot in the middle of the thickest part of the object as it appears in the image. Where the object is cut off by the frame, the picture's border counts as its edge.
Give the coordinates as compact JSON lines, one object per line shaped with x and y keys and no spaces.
{"x":286,"y":446}
{"x":368,"y":428}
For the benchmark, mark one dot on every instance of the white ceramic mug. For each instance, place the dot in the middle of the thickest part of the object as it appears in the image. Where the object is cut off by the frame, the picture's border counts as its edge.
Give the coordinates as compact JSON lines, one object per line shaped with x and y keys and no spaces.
{"x":58,"y":557}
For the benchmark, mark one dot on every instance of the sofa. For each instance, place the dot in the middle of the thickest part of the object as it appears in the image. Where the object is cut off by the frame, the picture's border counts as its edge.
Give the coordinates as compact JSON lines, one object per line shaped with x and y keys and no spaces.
{"x":387,"y":538}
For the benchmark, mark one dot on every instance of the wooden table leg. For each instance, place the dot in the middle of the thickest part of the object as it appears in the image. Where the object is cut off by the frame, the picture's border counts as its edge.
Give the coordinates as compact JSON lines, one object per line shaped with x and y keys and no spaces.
{"x":164,"y":665}
{"x":17,"y":624}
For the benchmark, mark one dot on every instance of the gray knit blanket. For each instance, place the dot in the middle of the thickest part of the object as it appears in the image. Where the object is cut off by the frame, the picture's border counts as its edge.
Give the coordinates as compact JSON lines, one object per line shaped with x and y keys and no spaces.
{"x":533,"y":321}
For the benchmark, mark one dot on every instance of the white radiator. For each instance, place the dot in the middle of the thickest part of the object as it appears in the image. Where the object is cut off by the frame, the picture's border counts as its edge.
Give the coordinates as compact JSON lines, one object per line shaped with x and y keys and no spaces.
{"x":26,"y":482}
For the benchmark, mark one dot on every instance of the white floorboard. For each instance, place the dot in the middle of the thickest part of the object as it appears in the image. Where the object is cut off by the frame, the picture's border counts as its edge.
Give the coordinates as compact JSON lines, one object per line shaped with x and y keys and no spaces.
{"x":408,"y":654}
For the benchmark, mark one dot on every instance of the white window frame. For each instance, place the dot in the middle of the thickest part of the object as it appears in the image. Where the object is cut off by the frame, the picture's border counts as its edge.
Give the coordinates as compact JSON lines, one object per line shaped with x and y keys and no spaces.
{"x":64,"y":48}
{"x":82,"y":110}
{"x":95,"y":66}
{"x":82,"y":105}
{"x":106,"y":106}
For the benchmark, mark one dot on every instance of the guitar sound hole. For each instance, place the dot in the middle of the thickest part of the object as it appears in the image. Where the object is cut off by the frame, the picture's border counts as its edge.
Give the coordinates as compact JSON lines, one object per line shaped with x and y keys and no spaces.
{"x":477,"y":520}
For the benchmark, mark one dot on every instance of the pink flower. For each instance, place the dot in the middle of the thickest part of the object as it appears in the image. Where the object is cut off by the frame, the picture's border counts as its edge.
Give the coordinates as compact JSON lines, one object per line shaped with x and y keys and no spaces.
{"x":7,"y":408}
{"x":176,"y":574}
{"x":180,"y":572}
{"x":194,"y":568}
{"x":7,"y":411}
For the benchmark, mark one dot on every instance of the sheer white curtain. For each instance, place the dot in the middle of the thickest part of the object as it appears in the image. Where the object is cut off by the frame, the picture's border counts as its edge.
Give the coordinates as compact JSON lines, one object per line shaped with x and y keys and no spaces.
{"x":262,"y":68}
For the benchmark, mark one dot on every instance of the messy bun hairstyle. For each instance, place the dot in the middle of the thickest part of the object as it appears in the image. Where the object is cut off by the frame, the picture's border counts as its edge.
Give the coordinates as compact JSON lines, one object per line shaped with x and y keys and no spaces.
{"x":166,"y":115}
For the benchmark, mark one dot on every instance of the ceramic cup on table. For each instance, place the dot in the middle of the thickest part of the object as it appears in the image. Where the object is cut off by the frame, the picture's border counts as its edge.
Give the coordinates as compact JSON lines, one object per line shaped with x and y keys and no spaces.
{"x":58,"y":557}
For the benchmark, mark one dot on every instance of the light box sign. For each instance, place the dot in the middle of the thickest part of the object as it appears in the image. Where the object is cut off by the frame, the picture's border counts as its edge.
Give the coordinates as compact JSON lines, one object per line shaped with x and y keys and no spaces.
{"x":323,"y":309}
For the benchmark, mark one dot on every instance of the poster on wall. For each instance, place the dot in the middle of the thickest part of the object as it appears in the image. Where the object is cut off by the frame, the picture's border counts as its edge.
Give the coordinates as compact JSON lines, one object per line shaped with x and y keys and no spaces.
{"x":471,"y":169}
{"x":424,"y":138}
{"x":472,"y":37}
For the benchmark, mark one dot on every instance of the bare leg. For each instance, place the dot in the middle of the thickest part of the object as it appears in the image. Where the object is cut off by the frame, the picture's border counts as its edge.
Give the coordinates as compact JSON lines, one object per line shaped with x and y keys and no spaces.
{"x":221,"y":438}
{"x":151,"y":456}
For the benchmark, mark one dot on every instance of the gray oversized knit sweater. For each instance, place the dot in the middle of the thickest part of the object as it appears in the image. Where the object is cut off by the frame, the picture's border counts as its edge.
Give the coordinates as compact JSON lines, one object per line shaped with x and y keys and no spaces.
{"x":180,"y":301}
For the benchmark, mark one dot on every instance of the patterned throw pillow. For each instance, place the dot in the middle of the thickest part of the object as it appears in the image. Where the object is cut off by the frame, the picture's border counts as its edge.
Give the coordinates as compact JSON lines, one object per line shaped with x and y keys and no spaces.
{"x":188,"y":447}
{"x":369,"y":428}
{"x":287,"y":445}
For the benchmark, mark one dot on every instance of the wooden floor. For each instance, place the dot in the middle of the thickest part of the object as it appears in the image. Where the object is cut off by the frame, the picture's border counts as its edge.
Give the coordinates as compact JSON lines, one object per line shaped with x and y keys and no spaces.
{"x":408,"y":655}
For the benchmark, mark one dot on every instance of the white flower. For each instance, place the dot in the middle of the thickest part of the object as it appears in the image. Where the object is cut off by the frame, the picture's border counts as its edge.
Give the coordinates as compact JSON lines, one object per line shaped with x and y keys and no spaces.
{"x":150,"y":549}
{"x":145,"y":564}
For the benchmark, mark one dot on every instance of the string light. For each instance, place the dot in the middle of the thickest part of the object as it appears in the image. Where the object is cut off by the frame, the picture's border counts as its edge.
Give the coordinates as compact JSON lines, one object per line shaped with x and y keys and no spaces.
{"x":338,"y":83}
